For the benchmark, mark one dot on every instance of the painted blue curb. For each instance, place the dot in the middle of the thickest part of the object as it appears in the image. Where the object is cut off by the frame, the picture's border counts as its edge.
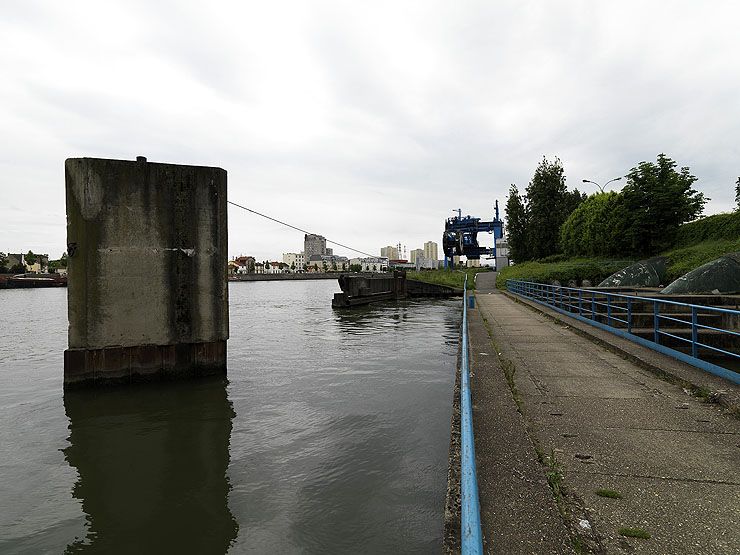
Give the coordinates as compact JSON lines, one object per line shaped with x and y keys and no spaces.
{"x":471,"y":536}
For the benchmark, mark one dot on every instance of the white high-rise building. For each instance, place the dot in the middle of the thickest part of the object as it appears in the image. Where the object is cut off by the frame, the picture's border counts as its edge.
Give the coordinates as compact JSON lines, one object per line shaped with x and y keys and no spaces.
{"x":430,"y":250}
{"x":415,"y":254}
{"x":389,"y":252}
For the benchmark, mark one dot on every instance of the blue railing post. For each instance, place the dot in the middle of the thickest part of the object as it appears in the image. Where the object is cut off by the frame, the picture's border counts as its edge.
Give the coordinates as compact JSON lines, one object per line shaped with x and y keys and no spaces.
{"x":593,"y":305}
{"x":472,"y":538}
{"x":694,"y":333}
{"x":554,"y":296}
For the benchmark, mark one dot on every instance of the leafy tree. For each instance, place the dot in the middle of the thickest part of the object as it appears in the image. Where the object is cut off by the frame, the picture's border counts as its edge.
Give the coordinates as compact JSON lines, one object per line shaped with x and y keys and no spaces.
{"x":516,"y":226}
{"x":292,"y":266}
{"x":63,"y":260}
{"x":334,"y":265}
{"x":737,"y":193}
{"x":30,"y":258}
{"x":657,"y":200}
{"x":3,"y":263}
{"x":548,"y":205}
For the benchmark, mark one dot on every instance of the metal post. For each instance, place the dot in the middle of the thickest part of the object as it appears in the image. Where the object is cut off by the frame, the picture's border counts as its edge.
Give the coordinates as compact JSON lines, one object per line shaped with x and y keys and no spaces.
{"x":656,"y":323}
{"x":580,"y":302}
{"x":608,"y":309}
{"x":629,"y":314}
{"x":593,"y":305}
{"x":694,"y":333}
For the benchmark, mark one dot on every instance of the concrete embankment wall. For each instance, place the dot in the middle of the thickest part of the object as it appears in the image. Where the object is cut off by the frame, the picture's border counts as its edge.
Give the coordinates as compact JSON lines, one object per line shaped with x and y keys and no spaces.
{"x":282,"y":277}
{"x":147,"y":246}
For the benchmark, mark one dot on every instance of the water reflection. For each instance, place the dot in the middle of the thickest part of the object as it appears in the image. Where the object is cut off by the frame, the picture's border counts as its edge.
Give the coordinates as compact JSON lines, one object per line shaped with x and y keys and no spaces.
{"x":152,"y":464}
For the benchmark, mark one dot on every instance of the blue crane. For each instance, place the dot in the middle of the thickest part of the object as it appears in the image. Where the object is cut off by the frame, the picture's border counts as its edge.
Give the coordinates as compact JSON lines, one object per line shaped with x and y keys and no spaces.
{"x":460,"y":237}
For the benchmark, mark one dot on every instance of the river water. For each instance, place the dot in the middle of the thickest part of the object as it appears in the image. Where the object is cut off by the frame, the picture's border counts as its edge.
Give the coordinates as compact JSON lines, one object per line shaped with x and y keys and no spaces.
{"x":329,"y":436}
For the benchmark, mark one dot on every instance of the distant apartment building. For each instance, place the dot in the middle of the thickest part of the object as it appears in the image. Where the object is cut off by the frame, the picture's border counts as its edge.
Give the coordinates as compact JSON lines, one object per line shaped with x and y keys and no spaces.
{"x":430,"y":251}
{"x":371,"y":264}
{"x":277,"y":268}
{"x":313,"y":245}
{"x":327,"y":263}
{"x":414,"y":254}
{"x":389,"y":252}
{"x":296,"y":261}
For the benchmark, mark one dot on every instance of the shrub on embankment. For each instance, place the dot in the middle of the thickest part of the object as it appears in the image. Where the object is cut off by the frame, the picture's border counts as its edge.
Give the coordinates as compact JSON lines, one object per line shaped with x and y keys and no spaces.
{"x":450,"y":278}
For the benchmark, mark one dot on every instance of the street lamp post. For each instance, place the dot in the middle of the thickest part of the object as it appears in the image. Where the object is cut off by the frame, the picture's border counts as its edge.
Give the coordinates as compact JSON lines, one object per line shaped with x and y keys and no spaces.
{"x":605,"y":184}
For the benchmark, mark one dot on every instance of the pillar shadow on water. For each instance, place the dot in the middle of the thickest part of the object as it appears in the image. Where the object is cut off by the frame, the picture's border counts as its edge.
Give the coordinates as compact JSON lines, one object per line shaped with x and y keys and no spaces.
{"x":152,"y":465}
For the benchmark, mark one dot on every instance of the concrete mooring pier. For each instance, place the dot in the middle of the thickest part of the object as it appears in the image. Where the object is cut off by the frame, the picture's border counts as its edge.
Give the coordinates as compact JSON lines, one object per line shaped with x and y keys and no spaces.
{"x":147,"y":247}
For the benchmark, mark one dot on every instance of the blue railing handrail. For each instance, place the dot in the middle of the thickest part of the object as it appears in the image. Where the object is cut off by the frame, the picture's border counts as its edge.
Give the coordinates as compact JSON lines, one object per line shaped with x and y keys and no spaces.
{"x":471,"y":536}
{"x":582,"y":305}
{"x":633,"y":297}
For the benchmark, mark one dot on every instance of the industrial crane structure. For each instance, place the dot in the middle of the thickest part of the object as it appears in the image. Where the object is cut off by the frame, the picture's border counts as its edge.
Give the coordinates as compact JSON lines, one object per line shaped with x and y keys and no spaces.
{"x":460,"y":237}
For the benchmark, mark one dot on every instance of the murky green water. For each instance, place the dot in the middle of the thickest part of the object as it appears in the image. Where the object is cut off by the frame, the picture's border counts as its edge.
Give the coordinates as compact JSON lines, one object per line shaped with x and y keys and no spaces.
{"x":330,"y":435}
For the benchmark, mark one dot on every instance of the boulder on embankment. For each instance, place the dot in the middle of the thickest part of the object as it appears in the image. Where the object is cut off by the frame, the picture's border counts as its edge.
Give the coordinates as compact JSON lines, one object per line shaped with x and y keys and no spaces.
{"x":720,"y":276}
{"x":646,"y":273}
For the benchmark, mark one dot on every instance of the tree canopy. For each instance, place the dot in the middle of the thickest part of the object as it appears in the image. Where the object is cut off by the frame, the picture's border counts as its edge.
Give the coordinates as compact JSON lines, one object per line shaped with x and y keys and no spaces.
{"x":534,"y":220}
{"x":516,"y":226}
{"x":658,"y":199}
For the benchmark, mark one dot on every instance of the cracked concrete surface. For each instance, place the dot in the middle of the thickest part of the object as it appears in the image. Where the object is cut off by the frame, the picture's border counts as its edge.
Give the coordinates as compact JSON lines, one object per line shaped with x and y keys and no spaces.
{"x":610,"y":424}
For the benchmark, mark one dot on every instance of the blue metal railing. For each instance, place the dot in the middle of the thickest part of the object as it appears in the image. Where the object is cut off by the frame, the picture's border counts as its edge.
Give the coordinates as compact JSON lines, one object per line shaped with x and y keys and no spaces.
{"x":615,"y":313}
{"x":471,"y":537}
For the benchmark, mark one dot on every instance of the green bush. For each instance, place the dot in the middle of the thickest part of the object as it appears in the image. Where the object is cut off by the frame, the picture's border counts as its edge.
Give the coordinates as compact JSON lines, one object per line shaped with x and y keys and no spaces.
{"x":596,"y":227}
{"x":720,"y":227}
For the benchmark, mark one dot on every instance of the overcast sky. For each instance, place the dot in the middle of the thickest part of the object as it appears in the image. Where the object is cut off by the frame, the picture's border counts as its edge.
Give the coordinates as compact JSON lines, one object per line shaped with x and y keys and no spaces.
{"x":367,"y":122}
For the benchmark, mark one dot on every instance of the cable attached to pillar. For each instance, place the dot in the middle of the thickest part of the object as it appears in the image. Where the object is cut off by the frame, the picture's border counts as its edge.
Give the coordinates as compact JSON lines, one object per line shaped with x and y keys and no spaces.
{"x":298,"y":228}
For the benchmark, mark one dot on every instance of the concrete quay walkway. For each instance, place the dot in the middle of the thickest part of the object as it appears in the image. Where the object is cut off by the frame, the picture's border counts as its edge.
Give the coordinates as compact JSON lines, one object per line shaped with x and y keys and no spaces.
{"x":551,"y":403}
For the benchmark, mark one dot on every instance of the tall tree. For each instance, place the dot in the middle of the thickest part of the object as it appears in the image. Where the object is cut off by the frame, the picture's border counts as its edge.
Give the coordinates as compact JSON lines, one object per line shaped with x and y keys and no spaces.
{"x":658,"y":199}
{"x":516,"y":226}
{"x":548,"y":205}
{"x":737,"y":194}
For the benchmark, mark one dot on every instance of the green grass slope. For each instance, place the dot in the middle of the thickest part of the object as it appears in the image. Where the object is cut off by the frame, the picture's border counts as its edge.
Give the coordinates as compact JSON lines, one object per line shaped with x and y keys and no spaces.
{"x":451,"y":278}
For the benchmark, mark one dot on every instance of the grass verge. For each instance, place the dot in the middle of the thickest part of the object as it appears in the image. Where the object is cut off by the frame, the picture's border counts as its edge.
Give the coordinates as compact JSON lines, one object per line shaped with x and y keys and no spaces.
{"x":680,"y":261}
{"x":578,"y":269}
{"x":450,"y":278}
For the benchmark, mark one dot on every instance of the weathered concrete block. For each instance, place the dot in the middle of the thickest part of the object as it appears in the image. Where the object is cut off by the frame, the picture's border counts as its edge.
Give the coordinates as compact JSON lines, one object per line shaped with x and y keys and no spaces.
{"x":147,"y":246}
